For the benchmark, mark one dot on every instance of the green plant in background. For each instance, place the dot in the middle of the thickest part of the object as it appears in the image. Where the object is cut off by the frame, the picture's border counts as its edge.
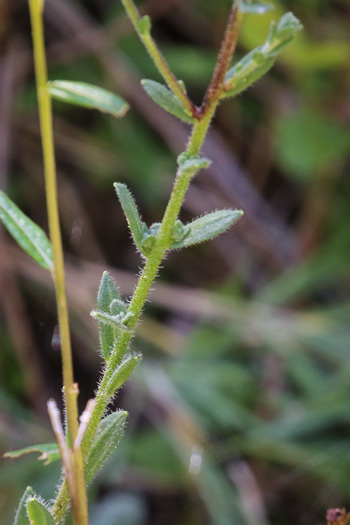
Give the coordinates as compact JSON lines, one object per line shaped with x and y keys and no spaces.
{"x":84,"y":447}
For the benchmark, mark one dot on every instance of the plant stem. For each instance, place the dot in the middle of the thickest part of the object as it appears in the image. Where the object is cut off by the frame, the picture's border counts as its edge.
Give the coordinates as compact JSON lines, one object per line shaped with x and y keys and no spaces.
{"x":227,"y":49}
{"x":45,"y":112}
{"x":163,"y":241}
{"x":158,"y":58}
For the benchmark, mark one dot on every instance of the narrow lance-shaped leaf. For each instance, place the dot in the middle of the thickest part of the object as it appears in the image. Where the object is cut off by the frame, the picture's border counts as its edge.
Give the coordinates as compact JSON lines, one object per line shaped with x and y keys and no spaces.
{"x":29,"y":235}
{"x":107,"y":293}
{"x":88,"y":96}
{"x":21,"y":517}
{"x":162,"y":96}
{"x":254,"y":65}
{"x":49,"y":452}
{"x":122,"y":373}
{"x":207,"y":227}
{"x":38,"y":513}
{"x":108,"y":435}
{"x":254,"y":6}
{"x":130,"y":210}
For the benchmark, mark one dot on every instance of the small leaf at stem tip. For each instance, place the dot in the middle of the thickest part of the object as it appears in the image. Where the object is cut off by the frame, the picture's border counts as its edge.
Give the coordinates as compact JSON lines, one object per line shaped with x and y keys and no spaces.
{"x":49,"y":452}
{"x":166,"y":99}
{"x":107,"y":293}
{"x":256,"y":63}
{"x":122,"y":373}
{"x":207,"y":227}
{"x":144,"y":25}
{"x":130,"y":210}
{"x":21,"y":517}
{"x":31,"y":238}
{"x":38,"y":513}
{"x":88,"y":96}
{"x":191,"y":164}
{"x":254,"y":6}
{"x":108,"y":434}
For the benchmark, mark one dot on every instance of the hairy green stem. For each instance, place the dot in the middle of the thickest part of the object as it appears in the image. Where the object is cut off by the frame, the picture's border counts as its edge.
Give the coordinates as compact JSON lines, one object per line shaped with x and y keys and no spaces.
{"x":70,"y":388}
{"x":163,"y":241}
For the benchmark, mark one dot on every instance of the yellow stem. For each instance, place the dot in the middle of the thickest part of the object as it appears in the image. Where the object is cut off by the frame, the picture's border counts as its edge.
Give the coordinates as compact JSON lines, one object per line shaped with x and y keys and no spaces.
{"x":45,"y":112}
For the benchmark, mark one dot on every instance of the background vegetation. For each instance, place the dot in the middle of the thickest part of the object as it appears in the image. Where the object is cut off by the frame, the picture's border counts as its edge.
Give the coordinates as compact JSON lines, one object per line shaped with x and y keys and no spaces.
{"x":239,"y":413}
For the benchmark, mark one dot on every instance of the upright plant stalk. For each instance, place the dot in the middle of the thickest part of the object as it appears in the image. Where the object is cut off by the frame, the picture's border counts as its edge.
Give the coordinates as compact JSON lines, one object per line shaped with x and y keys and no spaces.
{"x":163,"y":241}
{"x":78,"y":491}
{"x":156,"y":55}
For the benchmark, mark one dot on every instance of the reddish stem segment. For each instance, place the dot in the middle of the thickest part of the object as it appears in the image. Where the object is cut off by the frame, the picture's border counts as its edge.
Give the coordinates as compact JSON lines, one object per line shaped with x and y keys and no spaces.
{"x":227,"y":49}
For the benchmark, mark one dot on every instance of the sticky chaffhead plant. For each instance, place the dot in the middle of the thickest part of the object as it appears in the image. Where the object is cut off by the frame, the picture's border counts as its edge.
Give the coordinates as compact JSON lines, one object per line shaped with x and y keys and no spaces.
{"x":87,"y":442}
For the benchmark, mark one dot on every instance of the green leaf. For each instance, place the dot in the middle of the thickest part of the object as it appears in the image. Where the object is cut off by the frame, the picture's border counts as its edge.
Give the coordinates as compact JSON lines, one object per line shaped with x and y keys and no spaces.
{"x":128,"y":204}
{"x":254,"y":6}
{"x":191,"y":164}
{"x":246,"y":72}
{"x":178,"y":231}
{"x":144,"y":25}
{"x":254,"y":65}
{"x":108,"y":435}
{"x":122,"y":373}
{"x":88,"y":96}
{"x":118,"y":307}
{"x":147,"y":244}
{"x":21,"y":517}
{"x":107,"y":293}
{"x":149,"y":238}
{"x":38,"y":513}
{"x":49,"y":452}
{"x":207,"y":227}
{"x":115,"y":321}
{"x":29,"y":236}
{"x":166,"y":99}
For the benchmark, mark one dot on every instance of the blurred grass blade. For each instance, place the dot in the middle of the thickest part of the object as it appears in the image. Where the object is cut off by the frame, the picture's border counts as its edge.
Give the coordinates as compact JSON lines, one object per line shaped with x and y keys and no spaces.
{"x":124,"y":508}
{"x":109,"y":433}
{"x":29,"y":235}
{"x":21,"y":517}
{"x":107,"y":293}
{"x":254,"y":6}
{"x":49,"y":452}
{"x":38,"y":514}
{"x":130,"y":210}
{"x":88,"y":96}
{"x":162,"y":96}
{"x":256,"y":63}
{"x":207,"y":227}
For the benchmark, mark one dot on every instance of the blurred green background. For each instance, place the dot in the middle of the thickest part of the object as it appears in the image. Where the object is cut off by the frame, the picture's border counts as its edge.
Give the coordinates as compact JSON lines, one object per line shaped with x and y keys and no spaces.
{"x":240,"y":410}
